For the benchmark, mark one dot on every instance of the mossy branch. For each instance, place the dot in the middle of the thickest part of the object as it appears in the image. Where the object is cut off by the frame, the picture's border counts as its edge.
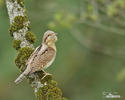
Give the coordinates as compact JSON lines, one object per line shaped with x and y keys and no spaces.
{"x":45,"y":89}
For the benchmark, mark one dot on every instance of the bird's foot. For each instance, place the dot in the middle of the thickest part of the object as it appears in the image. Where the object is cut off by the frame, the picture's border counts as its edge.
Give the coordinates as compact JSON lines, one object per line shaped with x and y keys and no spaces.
{"x":46,"y":74}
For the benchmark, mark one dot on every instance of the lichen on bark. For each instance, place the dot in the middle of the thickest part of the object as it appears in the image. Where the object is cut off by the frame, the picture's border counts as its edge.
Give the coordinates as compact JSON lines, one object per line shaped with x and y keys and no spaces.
{"x":45,"y":89}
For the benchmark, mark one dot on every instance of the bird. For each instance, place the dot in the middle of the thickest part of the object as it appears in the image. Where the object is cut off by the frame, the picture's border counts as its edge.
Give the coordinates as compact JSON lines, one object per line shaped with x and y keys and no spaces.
{"x":42,"y":57}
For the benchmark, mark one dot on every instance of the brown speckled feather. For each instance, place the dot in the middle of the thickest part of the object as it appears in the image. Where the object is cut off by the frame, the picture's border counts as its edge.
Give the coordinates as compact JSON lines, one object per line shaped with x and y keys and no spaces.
{"x":33,"y":54}
{"x":42,"y":60}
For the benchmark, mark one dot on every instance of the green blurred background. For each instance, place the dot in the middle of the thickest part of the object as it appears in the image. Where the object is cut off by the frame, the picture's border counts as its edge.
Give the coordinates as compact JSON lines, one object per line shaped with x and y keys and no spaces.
{"x":91,"y":48}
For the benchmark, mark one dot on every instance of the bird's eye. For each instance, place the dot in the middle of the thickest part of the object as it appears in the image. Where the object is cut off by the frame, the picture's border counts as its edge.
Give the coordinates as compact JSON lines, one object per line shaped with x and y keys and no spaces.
{"x":49,"y":35}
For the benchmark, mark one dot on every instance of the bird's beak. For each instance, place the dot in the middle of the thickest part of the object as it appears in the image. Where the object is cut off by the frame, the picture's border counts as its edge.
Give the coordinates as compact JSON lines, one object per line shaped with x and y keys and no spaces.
{"x":55,"y":37}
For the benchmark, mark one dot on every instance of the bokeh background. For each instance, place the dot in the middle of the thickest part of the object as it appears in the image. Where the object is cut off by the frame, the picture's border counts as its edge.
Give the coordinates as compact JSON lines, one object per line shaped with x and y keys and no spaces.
{"x":91,"y":48}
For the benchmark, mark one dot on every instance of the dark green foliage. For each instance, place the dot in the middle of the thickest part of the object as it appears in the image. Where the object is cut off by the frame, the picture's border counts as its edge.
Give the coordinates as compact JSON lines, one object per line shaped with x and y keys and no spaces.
{"x":49,"y":91}
{"x":17,"y":24}
{"x":16,"y":44}
{"x":30,"y":37}
{"x":21,"y":2}
{"x":22,"y":57}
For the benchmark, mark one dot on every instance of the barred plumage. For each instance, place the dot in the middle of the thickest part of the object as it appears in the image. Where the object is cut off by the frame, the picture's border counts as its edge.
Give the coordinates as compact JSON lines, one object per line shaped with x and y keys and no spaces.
{"x":42,"y":57}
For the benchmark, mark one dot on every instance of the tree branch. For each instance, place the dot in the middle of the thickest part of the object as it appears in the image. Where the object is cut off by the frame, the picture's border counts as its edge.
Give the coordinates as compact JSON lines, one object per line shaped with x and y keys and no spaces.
{"x":45,"y":89}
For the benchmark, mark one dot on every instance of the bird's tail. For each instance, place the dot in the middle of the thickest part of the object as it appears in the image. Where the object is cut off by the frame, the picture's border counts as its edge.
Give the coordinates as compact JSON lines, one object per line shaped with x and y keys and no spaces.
{"x":23,"y":75}
{"x":20,"y":78}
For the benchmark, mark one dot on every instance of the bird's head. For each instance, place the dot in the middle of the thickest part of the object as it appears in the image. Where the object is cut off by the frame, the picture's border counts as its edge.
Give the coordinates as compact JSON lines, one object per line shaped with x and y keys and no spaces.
{"x":49,"y":38}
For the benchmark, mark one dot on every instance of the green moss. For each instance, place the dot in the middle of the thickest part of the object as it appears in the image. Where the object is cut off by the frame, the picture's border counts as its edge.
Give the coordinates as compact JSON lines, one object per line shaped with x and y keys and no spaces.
{"x":12,"y":29}
{"x":18,"y":9}
{"x":40,"y":95}
{"x":53,"y":96}
{"x":21,"y":2}
{"x":16,"y":44}
{"x":20,"y":20}
{"x":30,"y":37}
{"x":12,"y":0}
{"x":49,"y":91}
{"x":22,"y":57}
{"x":48,"y":78}
{"x":54,"y":83}
{"x":17,"y":24}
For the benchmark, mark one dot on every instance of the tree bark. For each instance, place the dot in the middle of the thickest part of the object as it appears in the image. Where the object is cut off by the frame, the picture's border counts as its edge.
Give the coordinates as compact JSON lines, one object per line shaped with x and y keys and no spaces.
{"x":44,"y":89}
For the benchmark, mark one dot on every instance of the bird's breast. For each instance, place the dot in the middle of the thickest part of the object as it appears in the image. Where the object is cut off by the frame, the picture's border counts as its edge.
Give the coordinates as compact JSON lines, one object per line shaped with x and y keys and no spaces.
{"x":49,"y":63}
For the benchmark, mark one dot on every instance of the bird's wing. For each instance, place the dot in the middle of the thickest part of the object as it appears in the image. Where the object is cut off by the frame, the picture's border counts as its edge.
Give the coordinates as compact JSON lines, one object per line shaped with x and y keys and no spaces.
{"x":33,"y":54}
{"x":44,"y":59}
{"x":36,"y":52}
